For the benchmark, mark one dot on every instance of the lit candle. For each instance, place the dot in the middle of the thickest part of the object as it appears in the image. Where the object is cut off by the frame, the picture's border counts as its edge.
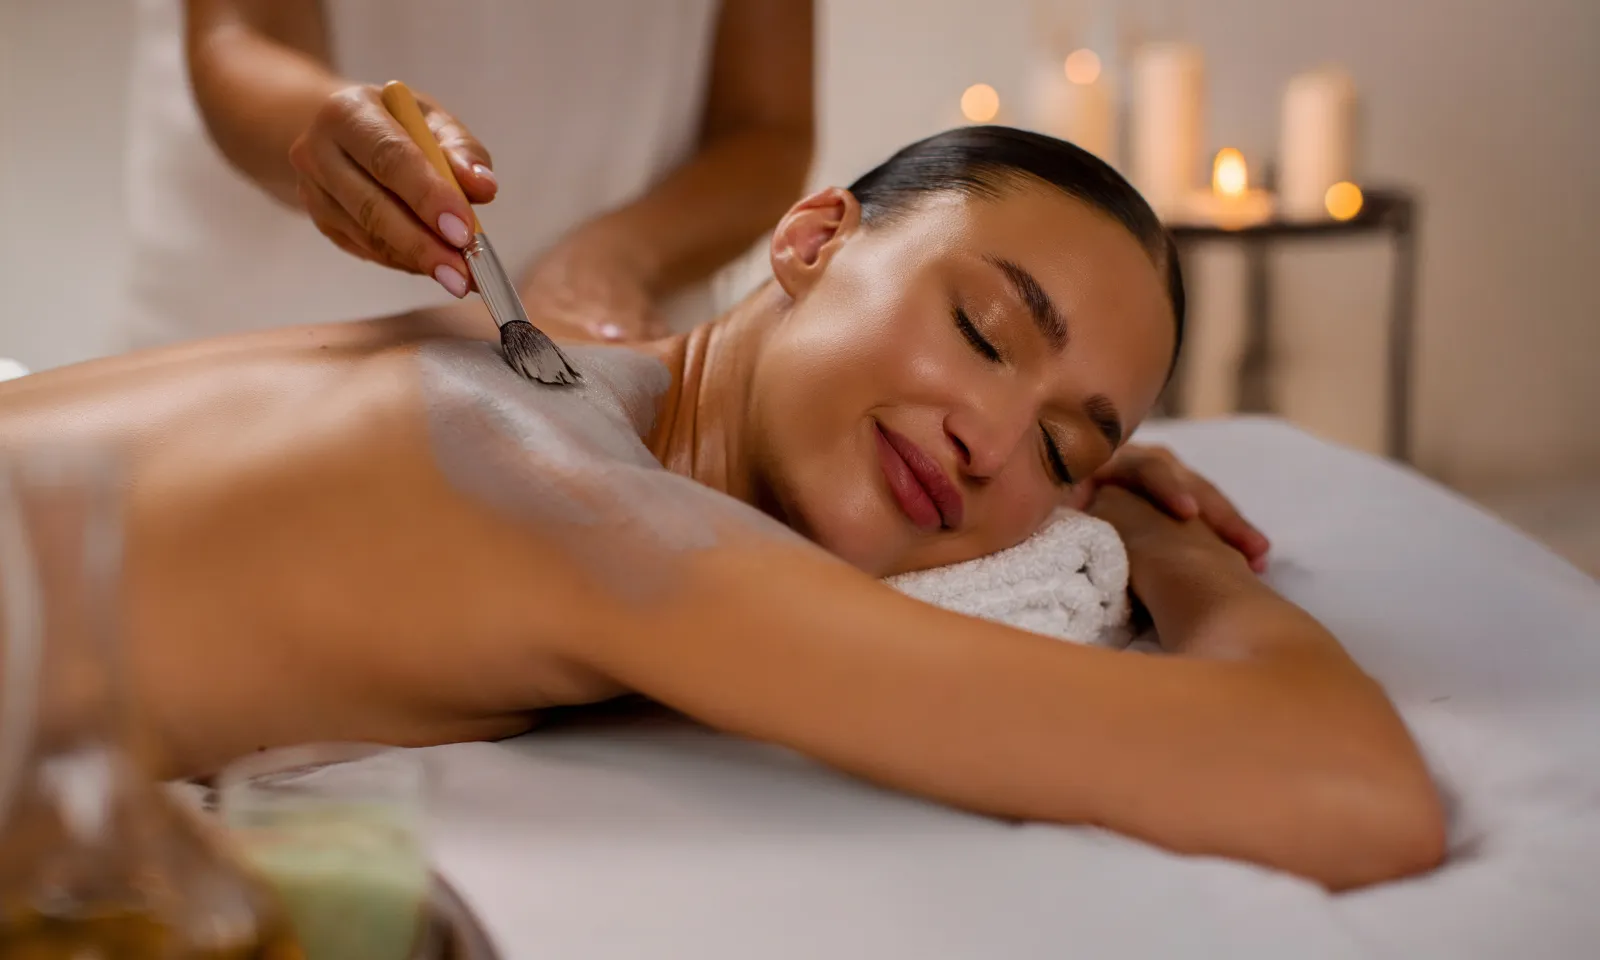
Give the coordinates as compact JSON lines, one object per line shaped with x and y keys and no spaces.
{"x":1318,"y":140}
{"x":1231,"y":203}
{"x":1168,"y":116}
{"x":1343,"y":200}
{"x":980,"y":103}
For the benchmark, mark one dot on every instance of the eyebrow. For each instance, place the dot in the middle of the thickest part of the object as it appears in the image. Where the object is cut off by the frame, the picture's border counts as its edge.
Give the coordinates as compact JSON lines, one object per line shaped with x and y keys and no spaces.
{"x":1103,"y":414}
{"x":1033,"y":296}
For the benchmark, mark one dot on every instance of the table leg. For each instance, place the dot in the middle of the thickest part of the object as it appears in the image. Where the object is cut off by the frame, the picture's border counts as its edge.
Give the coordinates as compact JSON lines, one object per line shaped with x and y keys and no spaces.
{"x":1402,"y":336}
{"x":1170,"y":403}
{"x":1255,"y":393}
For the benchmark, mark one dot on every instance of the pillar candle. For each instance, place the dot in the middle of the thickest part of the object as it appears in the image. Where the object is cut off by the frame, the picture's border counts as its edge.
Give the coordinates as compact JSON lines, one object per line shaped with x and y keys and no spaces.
{"x":1167,"y":123}
{"x":1083,"y":113}
{"x":1318,"y":139}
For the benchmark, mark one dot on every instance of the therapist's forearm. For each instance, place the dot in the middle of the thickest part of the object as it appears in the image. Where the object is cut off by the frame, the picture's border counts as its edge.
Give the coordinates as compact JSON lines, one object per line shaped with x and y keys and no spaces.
{"x":706,"y":212}
{"x":256,"y":93}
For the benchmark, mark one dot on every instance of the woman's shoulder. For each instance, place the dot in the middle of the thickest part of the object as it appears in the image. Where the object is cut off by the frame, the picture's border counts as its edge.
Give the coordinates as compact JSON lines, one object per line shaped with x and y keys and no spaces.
{"x":609,"y":411}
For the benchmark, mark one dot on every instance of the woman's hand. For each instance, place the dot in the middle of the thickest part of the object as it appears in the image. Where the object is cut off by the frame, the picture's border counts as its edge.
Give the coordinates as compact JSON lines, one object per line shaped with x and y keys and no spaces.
{"x":586,"y":287}
{"x":1148,"y":531}
{"x":1160,"y":477}
{"x":1163,"y":551}
{"x":371,"y":191}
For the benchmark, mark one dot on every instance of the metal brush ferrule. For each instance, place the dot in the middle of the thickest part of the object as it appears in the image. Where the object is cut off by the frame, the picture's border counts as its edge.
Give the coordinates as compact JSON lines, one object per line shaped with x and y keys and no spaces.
{"x":493,"y":284}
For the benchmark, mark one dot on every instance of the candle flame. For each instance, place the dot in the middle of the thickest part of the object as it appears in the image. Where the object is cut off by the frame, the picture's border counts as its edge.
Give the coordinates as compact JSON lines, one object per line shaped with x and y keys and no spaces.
{"x":1343,"y":200}
{"x":980,"y":103}
{"x":1083,"y":67}
{"x":1229,"y":176}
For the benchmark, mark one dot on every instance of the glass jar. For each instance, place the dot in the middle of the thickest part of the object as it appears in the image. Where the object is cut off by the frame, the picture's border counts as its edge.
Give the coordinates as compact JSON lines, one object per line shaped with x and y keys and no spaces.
{"x":97,"y":860}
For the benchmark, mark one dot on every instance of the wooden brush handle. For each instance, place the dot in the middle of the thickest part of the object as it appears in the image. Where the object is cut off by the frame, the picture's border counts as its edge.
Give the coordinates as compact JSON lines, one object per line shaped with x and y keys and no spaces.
{"x":402,"y":105}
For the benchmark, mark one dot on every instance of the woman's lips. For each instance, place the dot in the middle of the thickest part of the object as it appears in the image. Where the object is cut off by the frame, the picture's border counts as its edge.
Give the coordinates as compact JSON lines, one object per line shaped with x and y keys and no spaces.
{"x":925,"y":495}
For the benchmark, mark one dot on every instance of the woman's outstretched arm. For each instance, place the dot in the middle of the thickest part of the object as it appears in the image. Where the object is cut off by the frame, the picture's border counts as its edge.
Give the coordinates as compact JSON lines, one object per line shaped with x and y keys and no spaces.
{"x":1260,"y":740}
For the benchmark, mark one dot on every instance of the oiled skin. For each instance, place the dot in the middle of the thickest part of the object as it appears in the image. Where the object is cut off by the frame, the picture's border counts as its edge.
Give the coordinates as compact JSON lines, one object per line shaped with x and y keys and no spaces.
{"x":301,"y":566}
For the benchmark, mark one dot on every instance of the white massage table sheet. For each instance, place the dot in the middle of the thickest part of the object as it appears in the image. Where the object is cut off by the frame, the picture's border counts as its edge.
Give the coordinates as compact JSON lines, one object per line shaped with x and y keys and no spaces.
{"x":650,"y":837}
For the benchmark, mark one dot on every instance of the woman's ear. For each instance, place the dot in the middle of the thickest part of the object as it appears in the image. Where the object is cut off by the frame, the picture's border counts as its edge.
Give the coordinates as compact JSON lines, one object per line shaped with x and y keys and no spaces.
{"x":808,"y":236}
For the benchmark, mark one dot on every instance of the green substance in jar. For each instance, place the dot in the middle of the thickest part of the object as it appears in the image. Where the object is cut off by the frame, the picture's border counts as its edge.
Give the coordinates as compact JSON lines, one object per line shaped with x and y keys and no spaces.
{"x":353,"y":878}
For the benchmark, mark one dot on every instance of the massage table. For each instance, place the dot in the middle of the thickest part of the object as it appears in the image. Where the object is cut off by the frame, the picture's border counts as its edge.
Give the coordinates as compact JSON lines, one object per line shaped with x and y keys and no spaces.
{"x":643,"y":835}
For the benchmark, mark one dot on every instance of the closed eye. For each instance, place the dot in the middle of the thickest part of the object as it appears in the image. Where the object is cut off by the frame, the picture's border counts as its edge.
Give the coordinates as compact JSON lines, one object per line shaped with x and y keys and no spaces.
{"x":983,"y":346}
{"x":1058,"y":466}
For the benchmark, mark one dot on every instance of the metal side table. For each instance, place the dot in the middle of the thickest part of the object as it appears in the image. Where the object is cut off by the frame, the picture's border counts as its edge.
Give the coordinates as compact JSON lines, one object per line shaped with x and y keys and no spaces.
{"x":1391,"y":213}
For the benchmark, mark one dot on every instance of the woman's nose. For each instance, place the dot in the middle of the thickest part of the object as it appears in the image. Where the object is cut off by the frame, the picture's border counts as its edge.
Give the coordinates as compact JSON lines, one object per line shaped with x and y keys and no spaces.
{"x":984,"y":444}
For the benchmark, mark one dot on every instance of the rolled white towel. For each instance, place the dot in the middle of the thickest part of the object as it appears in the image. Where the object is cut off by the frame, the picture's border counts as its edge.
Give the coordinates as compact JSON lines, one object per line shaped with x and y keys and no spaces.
{"x":1069,"y":581}
{"x":11,"y":369}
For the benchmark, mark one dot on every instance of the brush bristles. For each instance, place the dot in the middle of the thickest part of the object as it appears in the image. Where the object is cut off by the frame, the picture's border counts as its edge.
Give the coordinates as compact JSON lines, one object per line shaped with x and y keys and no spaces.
{"x":535,"y":355}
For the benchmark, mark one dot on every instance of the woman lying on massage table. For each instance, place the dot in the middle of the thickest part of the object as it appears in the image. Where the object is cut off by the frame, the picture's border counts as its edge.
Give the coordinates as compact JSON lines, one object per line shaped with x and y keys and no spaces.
{"x":378,"y":531}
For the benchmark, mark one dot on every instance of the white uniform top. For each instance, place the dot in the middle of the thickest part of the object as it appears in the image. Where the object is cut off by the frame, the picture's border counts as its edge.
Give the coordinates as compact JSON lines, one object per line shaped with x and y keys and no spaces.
{"x":584,"y":104}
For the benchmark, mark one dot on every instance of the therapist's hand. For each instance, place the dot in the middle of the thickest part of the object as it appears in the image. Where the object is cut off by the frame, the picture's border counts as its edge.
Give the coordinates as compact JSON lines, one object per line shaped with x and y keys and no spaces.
{"x":588,"y":287}
{"x":371,"y":191}
{"x":1161,"y":478}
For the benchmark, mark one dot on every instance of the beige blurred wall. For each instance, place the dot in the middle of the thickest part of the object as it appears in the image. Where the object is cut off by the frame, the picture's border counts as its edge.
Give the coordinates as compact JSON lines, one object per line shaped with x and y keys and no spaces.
{"x":63,"y":66}
{"x":1490,"y":109}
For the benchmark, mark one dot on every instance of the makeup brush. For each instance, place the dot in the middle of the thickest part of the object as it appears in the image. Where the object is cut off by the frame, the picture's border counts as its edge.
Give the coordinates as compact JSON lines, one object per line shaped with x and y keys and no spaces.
{"x":526,"y":348}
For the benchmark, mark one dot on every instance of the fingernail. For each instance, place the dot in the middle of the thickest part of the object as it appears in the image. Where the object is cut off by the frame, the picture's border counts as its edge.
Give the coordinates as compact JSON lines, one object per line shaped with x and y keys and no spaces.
{"x":450,"y":278}
{"x":454,"y":230}
{"x":1188,"y":505}
{"x":610,"y":331}
{"x":484,"y":173}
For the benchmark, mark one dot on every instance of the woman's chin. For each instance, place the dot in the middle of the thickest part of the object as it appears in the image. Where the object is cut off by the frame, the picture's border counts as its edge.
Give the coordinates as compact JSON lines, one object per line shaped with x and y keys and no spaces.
{"x":846,"y":513}
{"x":860,"y":542}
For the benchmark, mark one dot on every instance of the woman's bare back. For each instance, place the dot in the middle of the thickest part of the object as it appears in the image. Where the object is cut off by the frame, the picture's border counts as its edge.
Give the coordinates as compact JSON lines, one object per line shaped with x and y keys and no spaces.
{"x":374,"y":532}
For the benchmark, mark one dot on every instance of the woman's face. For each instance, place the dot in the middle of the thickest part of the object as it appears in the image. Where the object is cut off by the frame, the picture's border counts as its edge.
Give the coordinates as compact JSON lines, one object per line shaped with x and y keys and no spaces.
{"x":942,"y":381}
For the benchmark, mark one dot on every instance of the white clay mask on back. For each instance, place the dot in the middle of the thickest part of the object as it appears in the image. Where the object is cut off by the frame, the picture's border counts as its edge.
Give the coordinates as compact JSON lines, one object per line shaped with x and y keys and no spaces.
{"x":570,"y":460}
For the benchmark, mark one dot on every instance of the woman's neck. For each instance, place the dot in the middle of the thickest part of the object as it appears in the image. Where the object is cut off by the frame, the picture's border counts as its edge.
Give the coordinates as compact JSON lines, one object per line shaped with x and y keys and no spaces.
{"x":702,"y":428}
